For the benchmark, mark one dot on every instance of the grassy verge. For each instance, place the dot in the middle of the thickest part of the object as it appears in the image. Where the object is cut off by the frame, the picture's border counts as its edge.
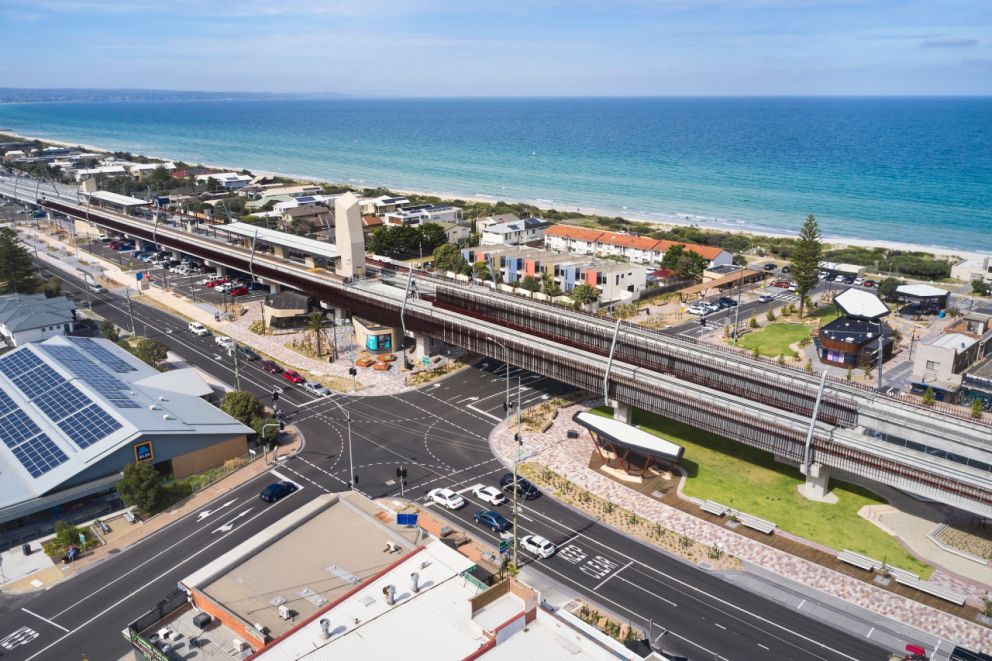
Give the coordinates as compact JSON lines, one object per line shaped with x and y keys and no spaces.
{"x":774,"y":340}
{"x":751,"y":481}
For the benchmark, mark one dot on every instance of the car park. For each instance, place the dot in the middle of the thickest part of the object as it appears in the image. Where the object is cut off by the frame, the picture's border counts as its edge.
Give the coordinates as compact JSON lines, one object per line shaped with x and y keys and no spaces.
{"x":315,"y":388}
{"x":216,"y":282}
{"x":446,"y":498}
{"x":277,"y":490}
{"x":523,"y":487}
{"x":270,"y":367}
{"x":198,"y":329}
{"x":223,"y":341}
{"x":492,"y":520}
{"x":537,"y":545}
{"x":293,"y":376}
{"x":490,"y":495}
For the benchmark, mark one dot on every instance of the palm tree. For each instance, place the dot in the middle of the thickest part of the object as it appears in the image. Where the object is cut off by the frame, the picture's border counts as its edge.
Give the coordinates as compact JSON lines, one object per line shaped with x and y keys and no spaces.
{"x":314,"y":327}
{"x":584,"y":294}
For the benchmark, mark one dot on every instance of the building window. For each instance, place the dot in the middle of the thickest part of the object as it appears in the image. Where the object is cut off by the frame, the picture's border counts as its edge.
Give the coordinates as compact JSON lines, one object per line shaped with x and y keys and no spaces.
{"x":933,"y":365}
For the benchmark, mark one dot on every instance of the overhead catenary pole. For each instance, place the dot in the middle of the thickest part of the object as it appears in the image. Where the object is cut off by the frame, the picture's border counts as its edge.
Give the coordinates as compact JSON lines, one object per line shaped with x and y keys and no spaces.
{"x":406,"y":295}
{"x":737,"y":308}
{"x":812,"y":423}
{"x":881,"y":353}
{"x":609,"y":364}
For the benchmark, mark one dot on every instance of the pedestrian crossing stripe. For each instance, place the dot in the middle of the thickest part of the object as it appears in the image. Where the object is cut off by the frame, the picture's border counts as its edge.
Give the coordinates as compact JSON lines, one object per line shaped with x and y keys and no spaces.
{"x":22,"y":636}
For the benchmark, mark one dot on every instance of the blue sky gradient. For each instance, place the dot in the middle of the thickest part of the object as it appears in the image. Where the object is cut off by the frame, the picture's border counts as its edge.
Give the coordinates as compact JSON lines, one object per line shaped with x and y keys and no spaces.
{"x":504,"y":47}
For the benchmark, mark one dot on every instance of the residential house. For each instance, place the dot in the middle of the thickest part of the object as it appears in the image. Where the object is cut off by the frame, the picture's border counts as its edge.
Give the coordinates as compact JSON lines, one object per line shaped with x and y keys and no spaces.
{"x":382,"y":204}
{"x":515,"y":232}
{"x":226,"y":180}
{"x":643,"y":250}
{"x":456,"y":233}
{"x":424,"y":213}
{"x":34,"y":317}
{"x":568,"y":238}
{"x":497,"y":219}
{"x":307,"y":218}
{"x":142,"y":170}
{"x":940,"y":364}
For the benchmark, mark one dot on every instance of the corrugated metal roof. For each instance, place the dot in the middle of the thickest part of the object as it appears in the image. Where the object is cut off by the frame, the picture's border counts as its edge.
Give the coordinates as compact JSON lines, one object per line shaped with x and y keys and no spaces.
{"x":283,"y":239}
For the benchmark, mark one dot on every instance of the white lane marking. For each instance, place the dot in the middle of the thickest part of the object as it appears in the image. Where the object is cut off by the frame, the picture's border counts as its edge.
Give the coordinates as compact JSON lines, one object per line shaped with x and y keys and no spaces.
{"x":870,"y":632}
{"x":467,"y":489}
{"x":230,"y":524}
{"x":45,"y":619}
{"x":800,"y":604}
{"x":205,"y":513}
{"x":485,"y":413}
{"x":596,"y":589}
{"x":717,"y":624}
{"x":764,"y":647}
{"x":643,"y":589}
{"x":693,"y":588}
{"x":468,"y":399}
{"x":22,"y":636}
{"x":141,"y":588}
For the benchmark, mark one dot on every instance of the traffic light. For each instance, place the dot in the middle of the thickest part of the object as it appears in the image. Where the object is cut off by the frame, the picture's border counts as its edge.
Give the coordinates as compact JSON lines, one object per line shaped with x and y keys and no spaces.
{"x":355,"y":480}
{"x":282,"y":425}
{"x":275,"y":395}
{"x":401,"y":472}
{"x":702,"y":322}
{"x":352,"y":371}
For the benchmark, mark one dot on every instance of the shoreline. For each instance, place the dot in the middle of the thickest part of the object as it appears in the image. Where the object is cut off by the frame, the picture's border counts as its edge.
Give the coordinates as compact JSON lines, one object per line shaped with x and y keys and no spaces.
{"x":667,"y":224}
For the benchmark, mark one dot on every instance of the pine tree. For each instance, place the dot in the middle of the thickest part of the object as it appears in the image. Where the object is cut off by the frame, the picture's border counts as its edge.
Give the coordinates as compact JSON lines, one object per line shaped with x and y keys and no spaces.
{"x":806,"y":260}
{"x":17,"y":272}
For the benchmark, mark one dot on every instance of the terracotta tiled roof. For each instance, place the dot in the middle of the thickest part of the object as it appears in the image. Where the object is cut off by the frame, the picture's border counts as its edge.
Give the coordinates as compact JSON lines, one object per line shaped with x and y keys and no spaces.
{"x":629,"y":241}
{"x":707,"y":252}
{"x":574,"y":233}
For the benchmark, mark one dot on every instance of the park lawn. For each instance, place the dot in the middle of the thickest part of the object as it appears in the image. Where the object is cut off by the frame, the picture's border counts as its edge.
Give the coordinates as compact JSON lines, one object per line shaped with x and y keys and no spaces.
{"x":774,"y":339}
{"x":825,"y":314}
{"x":750,"y":480}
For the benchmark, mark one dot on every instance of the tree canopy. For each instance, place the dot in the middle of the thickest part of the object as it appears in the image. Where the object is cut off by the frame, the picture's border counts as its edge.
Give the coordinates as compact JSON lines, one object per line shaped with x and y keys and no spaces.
{"x":141,"y":487}
{"x":806,"y":257}
{"x":686,"y":263}
{"x":242,"y":406}
{"x":17,"y":270}
{"x":399,"y":241}
{"x":449,"y":258}
{"x":584,"y":294}
{"x":152,"y":352}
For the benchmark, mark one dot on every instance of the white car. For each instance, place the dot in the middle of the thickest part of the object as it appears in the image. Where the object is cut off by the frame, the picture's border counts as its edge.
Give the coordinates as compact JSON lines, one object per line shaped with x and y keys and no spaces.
{"x":198,"y":329}
{"x":224,"y":341}
{"x":315,"y":388}
{"x":537,"y":545}
{"x":447,"y":498}
{"x":699,"y":309}
{"x":490,"y":495}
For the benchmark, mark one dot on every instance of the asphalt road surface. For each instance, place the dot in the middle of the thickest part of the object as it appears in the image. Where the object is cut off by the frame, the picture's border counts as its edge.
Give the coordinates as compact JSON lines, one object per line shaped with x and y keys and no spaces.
{"x":440,"y":434}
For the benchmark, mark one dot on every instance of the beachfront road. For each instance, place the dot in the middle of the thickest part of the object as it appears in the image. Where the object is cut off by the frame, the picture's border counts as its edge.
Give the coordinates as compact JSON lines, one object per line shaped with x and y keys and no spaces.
{"x":440,"y":434}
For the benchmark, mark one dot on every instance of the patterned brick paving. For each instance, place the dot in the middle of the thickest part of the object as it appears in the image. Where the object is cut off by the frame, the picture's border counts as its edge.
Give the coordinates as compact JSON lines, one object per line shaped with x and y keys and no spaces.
{"x":570,"y":458}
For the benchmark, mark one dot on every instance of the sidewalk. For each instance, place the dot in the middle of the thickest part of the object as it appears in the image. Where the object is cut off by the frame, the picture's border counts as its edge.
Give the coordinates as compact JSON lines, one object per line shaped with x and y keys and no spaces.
{"x":124,"y":534}
{"x":570,"y":458}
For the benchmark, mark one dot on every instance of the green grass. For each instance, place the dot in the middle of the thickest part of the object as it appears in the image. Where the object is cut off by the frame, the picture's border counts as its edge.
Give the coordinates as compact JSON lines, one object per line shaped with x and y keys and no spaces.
{"x":774,"y":339}
{"x":825,"y":314}
{"x":751,"y":481}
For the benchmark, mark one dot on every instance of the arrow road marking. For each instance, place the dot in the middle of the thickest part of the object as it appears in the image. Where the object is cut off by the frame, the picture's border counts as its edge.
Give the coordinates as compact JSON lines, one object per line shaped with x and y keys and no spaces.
{"x":205,"y":513}
{"x":230,"y":524}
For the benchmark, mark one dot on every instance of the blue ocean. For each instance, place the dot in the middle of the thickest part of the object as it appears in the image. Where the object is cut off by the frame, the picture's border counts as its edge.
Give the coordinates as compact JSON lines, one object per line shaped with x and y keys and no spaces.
{"x":900,"y":169}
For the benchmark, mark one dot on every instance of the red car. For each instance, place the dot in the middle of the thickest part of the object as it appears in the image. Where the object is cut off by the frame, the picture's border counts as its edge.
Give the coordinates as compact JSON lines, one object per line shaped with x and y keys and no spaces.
{"x":270,"y":367}
{"x":239,"y":291}
{"x":292,"y":376}
{"x":113,"y":245}
{"x":218,"y":281}
{"x":784,"y":284}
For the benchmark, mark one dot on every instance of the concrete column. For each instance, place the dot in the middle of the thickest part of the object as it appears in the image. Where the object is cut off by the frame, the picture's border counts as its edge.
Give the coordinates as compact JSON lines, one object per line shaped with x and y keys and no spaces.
{"x":622,"y":412}
{"x":423,"y":347}
{"x":817,"y":486}
{"x":273,"y":289}
{"x":309,"y":261}
{"x":279,"y":251}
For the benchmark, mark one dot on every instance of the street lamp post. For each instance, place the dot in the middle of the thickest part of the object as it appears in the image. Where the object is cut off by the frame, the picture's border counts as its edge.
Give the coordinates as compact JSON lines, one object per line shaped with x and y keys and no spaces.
{"x":881,"y":352}
{"x":737,"y":308}
{"x":506,"y":364}
{"x":351,"y":461}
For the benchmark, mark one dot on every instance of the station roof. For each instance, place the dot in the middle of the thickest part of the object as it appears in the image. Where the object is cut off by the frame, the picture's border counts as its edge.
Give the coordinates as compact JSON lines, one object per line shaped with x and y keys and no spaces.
{"x":921,"y":291}
{"x":69,"y":402}
{"x":116,"y":198}
{"x":620,"y":433}
{"x":283,"y":239}
{"x":861,"y":304}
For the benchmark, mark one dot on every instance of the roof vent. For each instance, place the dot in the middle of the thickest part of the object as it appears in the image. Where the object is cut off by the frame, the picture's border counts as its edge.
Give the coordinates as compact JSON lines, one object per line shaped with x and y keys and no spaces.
{"x":167,"y":417}
{"x":161,"y":398}
{"x":152,"y":407}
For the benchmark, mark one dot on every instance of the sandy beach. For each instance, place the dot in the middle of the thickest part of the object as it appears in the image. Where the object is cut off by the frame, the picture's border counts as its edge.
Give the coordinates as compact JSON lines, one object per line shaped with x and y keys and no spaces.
{"x":832,"y":241}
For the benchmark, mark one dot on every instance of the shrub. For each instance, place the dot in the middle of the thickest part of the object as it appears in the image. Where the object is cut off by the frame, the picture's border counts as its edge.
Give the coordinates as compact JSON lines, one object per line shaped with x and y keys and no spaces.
{"x":928,"y":397}
{"x":753,"y":323}
{"x":770,"y":316}
{"x":976,"y":409}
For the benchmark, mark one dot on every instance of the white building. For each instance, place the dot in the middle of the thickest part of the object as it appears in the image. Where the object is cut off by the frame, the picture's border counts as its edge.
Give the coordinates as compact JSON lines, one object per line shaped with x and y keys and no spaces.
{"x":34,"y":317}
{"x":227,"y":180}
{"x":142,"y":170}
{"x":106,"y":170}
{"x":424,"y":213}
{"x":514,"y":233}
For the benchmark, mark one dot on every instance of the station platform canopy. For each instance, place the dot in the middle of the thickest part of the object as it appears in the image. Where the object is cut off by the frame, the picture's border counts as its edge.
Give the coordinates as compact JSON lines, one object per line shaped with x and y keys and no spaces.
{"x":622,"y":440}
{"x":116,"y":199}
{"x":282,"y":239}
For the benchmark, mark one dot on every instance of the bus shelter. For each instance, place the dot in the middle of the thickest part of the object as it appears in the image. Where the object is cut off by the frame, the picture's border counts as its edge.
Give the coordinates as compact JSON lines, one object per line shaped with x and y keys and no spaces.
{"x":626,"y":447}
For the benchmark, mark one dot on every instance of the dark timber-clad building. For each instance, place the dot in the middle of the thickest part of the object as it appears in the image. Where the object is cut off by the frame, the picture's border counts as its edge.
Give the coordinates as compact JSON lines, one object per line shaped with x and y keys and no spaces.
{"x":852,"y":340}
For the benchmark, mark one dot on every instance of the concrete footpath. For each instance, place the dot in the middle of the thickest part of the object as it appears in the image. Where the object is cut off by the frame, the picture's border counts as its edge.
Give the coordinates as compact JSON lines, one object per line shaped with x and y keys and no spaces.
{"x":775,"y":573}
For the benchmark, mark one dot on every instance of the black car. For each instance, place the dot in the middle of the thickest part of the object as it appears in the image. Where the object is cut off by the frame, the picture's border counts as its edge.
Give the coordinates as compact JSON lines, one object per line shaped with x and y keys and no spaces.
{"x":769,"y":267}
{"x":849,"y":280}
{"x":726,"y":302}
{"x":492,"y":520}
{"x":277,"y":490}
{"x":524,"y":488}
{"x":247,"y":353}
{"x":270,"y":367}
{"x":785,"y":269}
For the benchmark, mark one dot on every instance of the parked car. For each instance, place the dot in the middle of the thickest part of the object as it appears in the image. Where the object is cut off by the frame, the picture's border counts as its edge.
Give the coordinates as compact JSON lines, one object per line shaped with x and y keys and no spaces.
{"x":793,"y":287}
{"x":446,"y":498}
{"x":277,"y":490}
{"x":293,"y":376}
{"x":223,"y":341}
{"x":523,"y":486}
{"x":238,"y":291}
{"x":786,"y":269}
{"x":849,"y":280}
{"x":537,"y":545}
{"x":698,"y":309}
{"x":315,"y":388}
{"x":868,"y":283}
{"x":104,"y":238}
{"x":784,"y":284}
{"x":490,"y":495}
{"x":270,"y":367}
{"x":859,"y":281}
{"x":216,"y":282}
{"x":712,"y":307}
{"x":198,"y":329}
{"x":492,"y":520}
{"x":769,"y":267}
{"x":246,"y":352}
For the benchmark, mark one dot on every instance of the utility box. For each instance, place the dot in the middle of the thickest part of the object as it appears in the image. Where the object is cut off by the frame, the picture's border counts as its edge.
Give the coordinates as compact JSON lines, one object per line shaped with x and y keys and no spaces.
{"x":202,"y":620}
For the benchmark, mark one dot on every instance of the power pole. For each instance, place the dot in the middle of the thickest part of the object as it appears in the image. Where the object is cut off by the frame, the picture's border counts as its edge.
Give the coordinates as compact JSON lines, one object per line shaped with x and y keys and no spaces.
{"x":130,"y":311}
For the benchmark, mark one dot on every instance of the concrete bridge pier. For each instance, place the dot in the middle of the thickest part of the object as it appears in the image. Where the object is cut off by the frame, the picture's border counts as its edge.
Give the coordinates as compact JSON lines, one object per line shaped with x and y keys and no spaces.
{"x":423,"y":346}
{"x":817,"y":486}
{"x":622,"y":412}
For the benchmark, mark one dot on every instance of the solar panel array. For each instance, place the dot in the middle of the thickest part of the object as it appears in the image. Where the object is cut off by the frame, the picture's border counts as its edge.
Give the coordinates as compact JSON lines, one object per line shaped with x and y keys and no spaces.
{"x":79,"y":417}
{"x":112,"y":388}
{"x":103,"y":356}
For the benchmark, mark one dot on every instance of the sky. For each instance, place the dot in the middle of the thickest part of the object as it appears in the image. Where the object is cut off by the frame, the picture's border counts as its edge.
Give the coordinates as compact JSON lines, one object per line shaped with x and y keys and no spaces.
{"x":503,"y":47}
